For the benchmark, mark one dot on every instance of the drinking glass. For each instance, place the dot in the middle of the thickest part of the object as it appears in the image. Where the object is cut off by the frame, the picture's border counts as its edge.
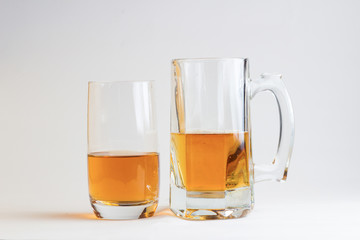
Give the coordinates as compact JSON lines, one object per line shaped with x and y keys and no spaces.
{"x":123,"y":163}
{"x":212,"y":171}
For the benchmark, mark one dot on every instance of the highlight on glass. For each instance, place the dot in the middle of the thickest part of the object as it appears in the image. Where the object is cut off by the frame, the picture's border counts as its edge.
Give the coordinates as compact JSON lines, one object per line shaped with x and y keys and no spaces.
{"x":123,"y":159}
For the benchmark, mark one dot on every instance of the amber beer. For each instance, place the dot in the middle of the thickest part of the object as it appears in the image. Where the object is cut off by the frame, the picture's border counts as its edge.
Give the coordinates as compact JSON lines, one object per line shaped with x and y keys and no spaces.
{"x":212,"y":162}
{"x":117,"y":178}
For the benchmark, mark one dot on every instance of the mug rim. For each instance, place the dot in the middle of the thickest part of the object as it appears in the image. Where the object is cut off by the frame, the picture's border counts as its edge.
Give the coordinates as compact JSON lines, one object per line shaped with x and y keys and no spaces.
{"x":208,"y":59}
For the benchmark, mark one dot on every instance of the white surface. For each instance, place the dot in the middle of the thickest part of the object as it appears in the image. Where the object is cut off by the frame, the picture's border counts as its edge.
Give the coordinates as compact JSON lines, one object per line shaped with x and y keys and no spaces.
{"x":286,"y":213}
{"x":49,"y":50}
{"x":309,"y":219}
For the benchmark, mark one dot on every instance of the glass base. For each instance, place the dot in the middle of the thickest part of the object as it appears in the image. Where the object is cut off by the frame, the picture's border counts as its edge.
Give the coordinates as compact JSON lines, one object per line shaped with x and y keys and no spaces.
{"x":123,"y":210}
{"x":227,"y":204}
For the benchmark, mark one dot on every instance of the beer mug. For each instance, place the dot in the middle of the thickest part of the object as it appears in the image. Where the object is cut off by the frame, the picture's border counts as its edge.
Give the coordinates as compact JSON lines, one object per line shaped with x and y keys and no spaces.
{"x":212,"y":173}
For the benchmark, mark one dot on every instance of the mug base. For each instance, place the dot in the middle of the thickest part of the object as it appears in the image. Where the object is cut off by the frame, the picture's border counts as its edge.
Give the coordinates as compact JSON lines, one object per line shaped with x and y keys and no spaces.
{"x":207,"y":205}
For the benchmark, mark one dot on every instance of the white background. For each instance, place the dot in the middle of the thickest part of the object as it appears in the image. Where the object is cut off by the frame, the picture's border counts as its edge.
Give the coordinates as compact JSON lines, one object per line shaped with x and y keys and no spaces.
{"x":49,"y":50}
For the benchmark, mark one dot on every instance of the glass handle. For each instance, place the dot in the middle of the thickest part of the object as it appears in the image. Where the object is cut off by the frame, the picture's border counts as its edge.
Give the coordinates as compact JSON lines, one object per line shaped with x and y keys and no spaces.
{"x":278,"y":169}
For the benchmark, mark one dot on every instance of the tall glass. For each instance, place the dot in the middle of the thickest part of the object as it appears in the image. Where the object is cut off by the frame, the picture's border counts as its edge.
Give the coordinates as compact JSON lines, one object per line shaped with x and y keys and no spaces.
{"x":123,"y":163}
{"x":212,"y":172}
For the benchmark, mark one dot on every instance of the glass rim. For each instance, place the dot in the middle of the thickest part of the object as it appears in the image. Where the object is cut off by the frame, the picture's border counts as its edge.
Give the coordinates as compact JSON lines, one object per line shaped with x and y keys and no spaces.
{"x":208,"y":59}
{"x":119,"y":82}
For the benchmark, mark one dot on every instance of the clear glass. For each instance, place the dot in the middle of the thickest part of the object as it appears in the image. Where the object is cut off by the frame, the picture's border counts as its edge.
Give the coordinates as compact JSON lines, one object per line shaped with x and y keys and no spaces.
{"x":123,"y":162}
{"x":212,"y":173}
